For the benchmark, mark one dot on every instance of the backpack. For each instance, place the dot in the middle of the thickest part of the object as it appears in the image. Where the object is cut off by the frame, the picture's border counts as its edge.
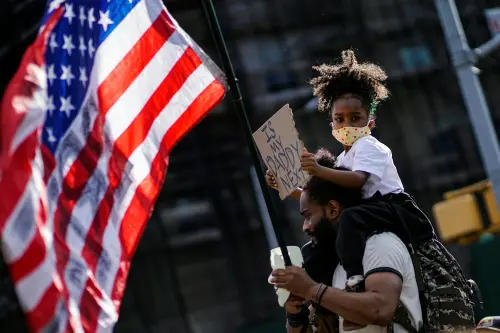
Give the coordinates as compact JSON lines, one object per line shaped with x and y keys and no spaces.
{"x":445,"y":294}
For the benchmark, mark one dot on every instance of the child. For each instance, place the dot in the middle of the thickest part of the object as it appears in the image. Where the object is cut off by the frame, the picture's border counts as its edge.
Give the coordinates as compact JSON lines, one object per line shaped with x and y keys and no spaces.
{"x":351,"y":92}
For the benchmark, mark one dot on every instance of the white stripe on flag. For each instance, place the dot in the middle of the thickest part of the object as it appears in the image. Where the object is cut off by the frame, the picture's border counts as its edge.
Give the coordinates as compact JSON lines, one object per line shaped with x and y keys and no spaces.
{"x":20,"y":227}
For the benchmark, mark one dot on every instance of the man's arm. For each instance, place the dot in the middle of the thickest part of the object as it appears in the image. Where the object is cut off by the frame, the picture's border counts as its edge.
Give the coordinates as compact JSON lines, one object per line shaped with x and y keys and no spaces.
{"x":297,"y":310}
{"x":384,"y":262}
{"x":376,"y":306}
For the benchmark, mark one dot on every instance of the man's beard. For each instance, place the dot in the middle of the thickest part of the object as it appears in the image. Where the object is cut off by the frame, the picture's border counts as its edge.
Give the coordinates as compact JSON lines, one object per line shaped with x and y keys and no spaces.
{"x":320,"y":257}
{"x":324,"y":235}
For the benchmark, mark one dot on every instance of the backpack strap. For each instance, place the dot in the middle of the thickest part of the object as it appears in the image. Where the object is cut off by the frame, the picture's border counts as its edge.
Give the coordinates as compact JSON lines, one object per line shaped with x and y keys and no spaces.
{"x":417,"y":268}
{"x":402,"y":317}
{"x":420,"y":284}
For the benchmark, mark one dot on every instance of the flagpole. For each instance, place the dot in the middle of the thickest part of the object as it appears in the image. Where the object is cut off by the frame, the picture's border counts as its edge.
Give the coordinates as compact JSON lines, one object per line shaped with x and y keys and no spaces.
{"x":209,"y":10}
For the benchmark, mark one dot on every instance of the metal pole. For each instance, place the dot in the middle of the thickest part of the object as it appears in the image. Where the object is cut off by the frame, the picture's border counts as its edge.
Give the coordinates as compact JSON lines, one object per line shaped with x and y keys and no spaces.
{"x":264,"y":215}
{"x":214,"y":26}
{"x":463,"y":60}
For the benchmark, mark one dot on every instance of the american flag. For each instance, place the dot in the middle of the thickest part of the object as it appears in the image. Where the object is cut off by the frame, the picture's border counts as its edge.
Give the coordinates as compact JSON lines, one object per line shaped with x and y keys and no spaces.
{"x":101,"y":97}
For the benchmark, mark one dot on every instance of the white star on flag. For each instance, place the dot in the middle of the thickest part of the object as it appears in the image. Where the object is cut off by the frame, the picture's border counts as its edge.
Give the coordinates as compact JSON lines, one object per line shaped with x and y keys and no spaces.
{"x":51,"y":137}
{"x":68,"y":12}
{"x":91,"y":17}
{"x":82,"y":46}
{"x":55,"y":4}
{"x":50,"y":105}
{"x":68,"y":43}
{"x":104,"y":20}
{"x":83,"y":76}
{"x":51,"y":75}
{"x":91,"y":48}
{"x":66,"y":105}
{"x":53,"y":44}
{"x":82,"y":16}
{"x":67,"y":75}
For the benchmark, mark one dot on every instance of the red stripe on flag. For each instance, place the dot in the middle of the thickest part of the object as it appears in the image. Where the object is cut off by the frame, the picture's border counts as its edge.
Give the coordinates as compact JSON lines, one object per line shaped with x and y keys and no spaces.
{"x":31,"y":258}
{"x":141,"y":206}
{"x":40,"y":316}
{"x":49,"y":162}
{"x":124,"y":146}
{"x":89,"y":305}
{"x":134,"y":62}
{"x":16,"y":177}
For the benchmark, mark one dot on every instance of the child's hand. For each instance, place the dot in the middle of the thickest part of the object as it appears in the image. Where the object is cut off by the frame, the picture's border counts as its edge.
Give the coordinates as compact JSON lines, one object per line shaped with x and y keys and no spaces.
{"x":309,"y":163}
{"x":271,"y":180}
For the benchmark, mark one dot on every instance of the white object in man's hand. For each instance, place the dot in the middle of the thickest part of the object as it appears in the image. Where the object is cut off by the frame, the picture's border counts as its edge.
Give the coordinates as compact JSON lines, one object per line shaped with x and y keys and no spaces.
{"x":277,"y":262}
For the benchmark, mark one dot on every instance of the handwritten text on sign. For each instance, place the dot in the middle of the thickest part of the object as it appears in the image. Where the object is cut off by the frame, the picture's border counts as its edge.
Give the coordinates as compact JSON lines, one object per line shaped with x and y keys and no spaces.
{"x":280,"y":148}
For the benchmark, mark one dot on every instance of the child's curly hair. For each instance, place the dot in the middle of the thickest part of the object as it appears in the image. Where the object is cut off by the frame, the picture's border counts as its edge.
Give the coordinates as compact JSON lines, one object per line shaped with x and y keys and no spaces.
{"x":349,"y":77}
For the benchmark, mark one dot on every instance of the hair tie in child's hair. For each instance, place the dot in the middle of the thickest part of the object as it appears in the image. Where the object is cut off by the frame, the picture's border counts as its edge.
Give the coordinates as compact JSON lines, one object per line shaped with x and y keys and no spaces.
{"x":373,"y":104}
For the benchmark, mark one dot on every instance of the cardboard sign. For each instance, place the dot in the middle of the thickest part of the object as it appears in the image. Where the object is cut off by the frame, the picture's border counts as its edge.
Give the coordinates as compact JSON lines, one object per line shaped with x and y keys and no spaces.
{"x":280,"y":148}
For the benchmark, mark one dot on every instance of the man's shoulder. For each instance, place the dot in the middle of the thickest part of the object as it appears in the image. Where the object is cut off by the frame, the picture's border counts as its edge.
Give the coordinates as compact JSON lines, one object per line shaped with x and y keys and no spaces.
{"x":386,"y":251}
{"x":386,"y":242}
{"x":385,"y":239}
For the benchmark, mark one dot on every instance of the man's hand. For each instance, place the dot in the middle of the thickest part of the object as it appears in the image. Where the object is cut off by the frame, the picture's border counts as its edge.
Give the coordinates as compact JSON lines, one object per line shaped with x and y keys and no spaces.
{"x":295,"y":280}
{"x":309,"y":163}
{"x":294,"y":304}
{"x":271,"y":180}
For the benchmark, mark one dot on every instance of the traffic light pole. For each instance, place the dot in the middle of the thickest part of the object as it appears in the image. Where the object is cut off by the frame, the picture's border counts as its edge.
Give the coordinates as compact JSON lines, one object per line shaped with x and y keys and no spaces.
{"x":464,"y":60}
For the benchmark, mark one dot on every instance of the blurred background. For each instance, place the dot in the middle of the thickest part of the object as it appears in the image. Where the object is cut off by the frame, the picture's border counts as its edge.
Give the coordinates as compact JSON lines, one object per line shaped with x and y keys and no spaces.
{"x":203,"y":262}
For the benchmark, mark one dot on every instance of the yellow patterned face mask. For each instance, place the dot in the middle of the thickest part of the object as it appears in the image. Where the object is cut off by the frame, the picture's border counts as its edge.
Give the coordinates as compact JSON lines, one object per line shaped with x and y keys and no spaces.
{"x":349,"y":135}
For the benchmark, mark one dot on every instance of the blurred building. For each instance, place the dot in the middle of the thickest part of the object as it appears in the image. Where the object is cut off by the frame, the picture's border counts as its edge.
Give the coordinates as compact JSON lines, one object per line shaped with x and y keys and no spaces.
{"x":203,"y":262}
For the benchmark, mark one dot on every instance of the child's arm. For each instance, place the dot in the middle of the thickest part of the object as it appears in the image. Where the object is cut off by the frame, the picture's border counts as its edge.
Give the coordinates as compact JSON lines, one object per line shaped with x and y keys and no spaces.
{"x":351,"y":179}
{"x":345,"y":178}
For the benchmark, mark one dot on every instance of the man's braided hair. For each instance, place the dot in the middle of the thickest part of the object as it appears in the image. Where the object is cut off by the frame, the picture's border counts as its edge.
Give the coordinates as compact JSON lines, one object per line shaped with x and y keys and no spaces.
{"x":365,"y":80}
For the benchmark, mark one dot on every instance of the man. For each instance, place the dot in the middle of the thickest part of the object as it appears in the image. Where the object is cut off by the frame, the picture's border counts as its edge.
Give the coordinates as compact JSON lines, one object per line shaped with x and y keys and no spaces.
{"x":388,"y":269}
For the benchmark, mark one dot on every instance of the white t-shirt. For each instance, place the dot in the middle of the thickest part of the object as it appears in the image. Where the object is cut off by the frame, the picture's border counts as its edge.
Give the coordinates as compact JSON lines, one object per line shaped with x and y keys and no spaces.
{"x":385,"y":252}
{"x":372,"y":156}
